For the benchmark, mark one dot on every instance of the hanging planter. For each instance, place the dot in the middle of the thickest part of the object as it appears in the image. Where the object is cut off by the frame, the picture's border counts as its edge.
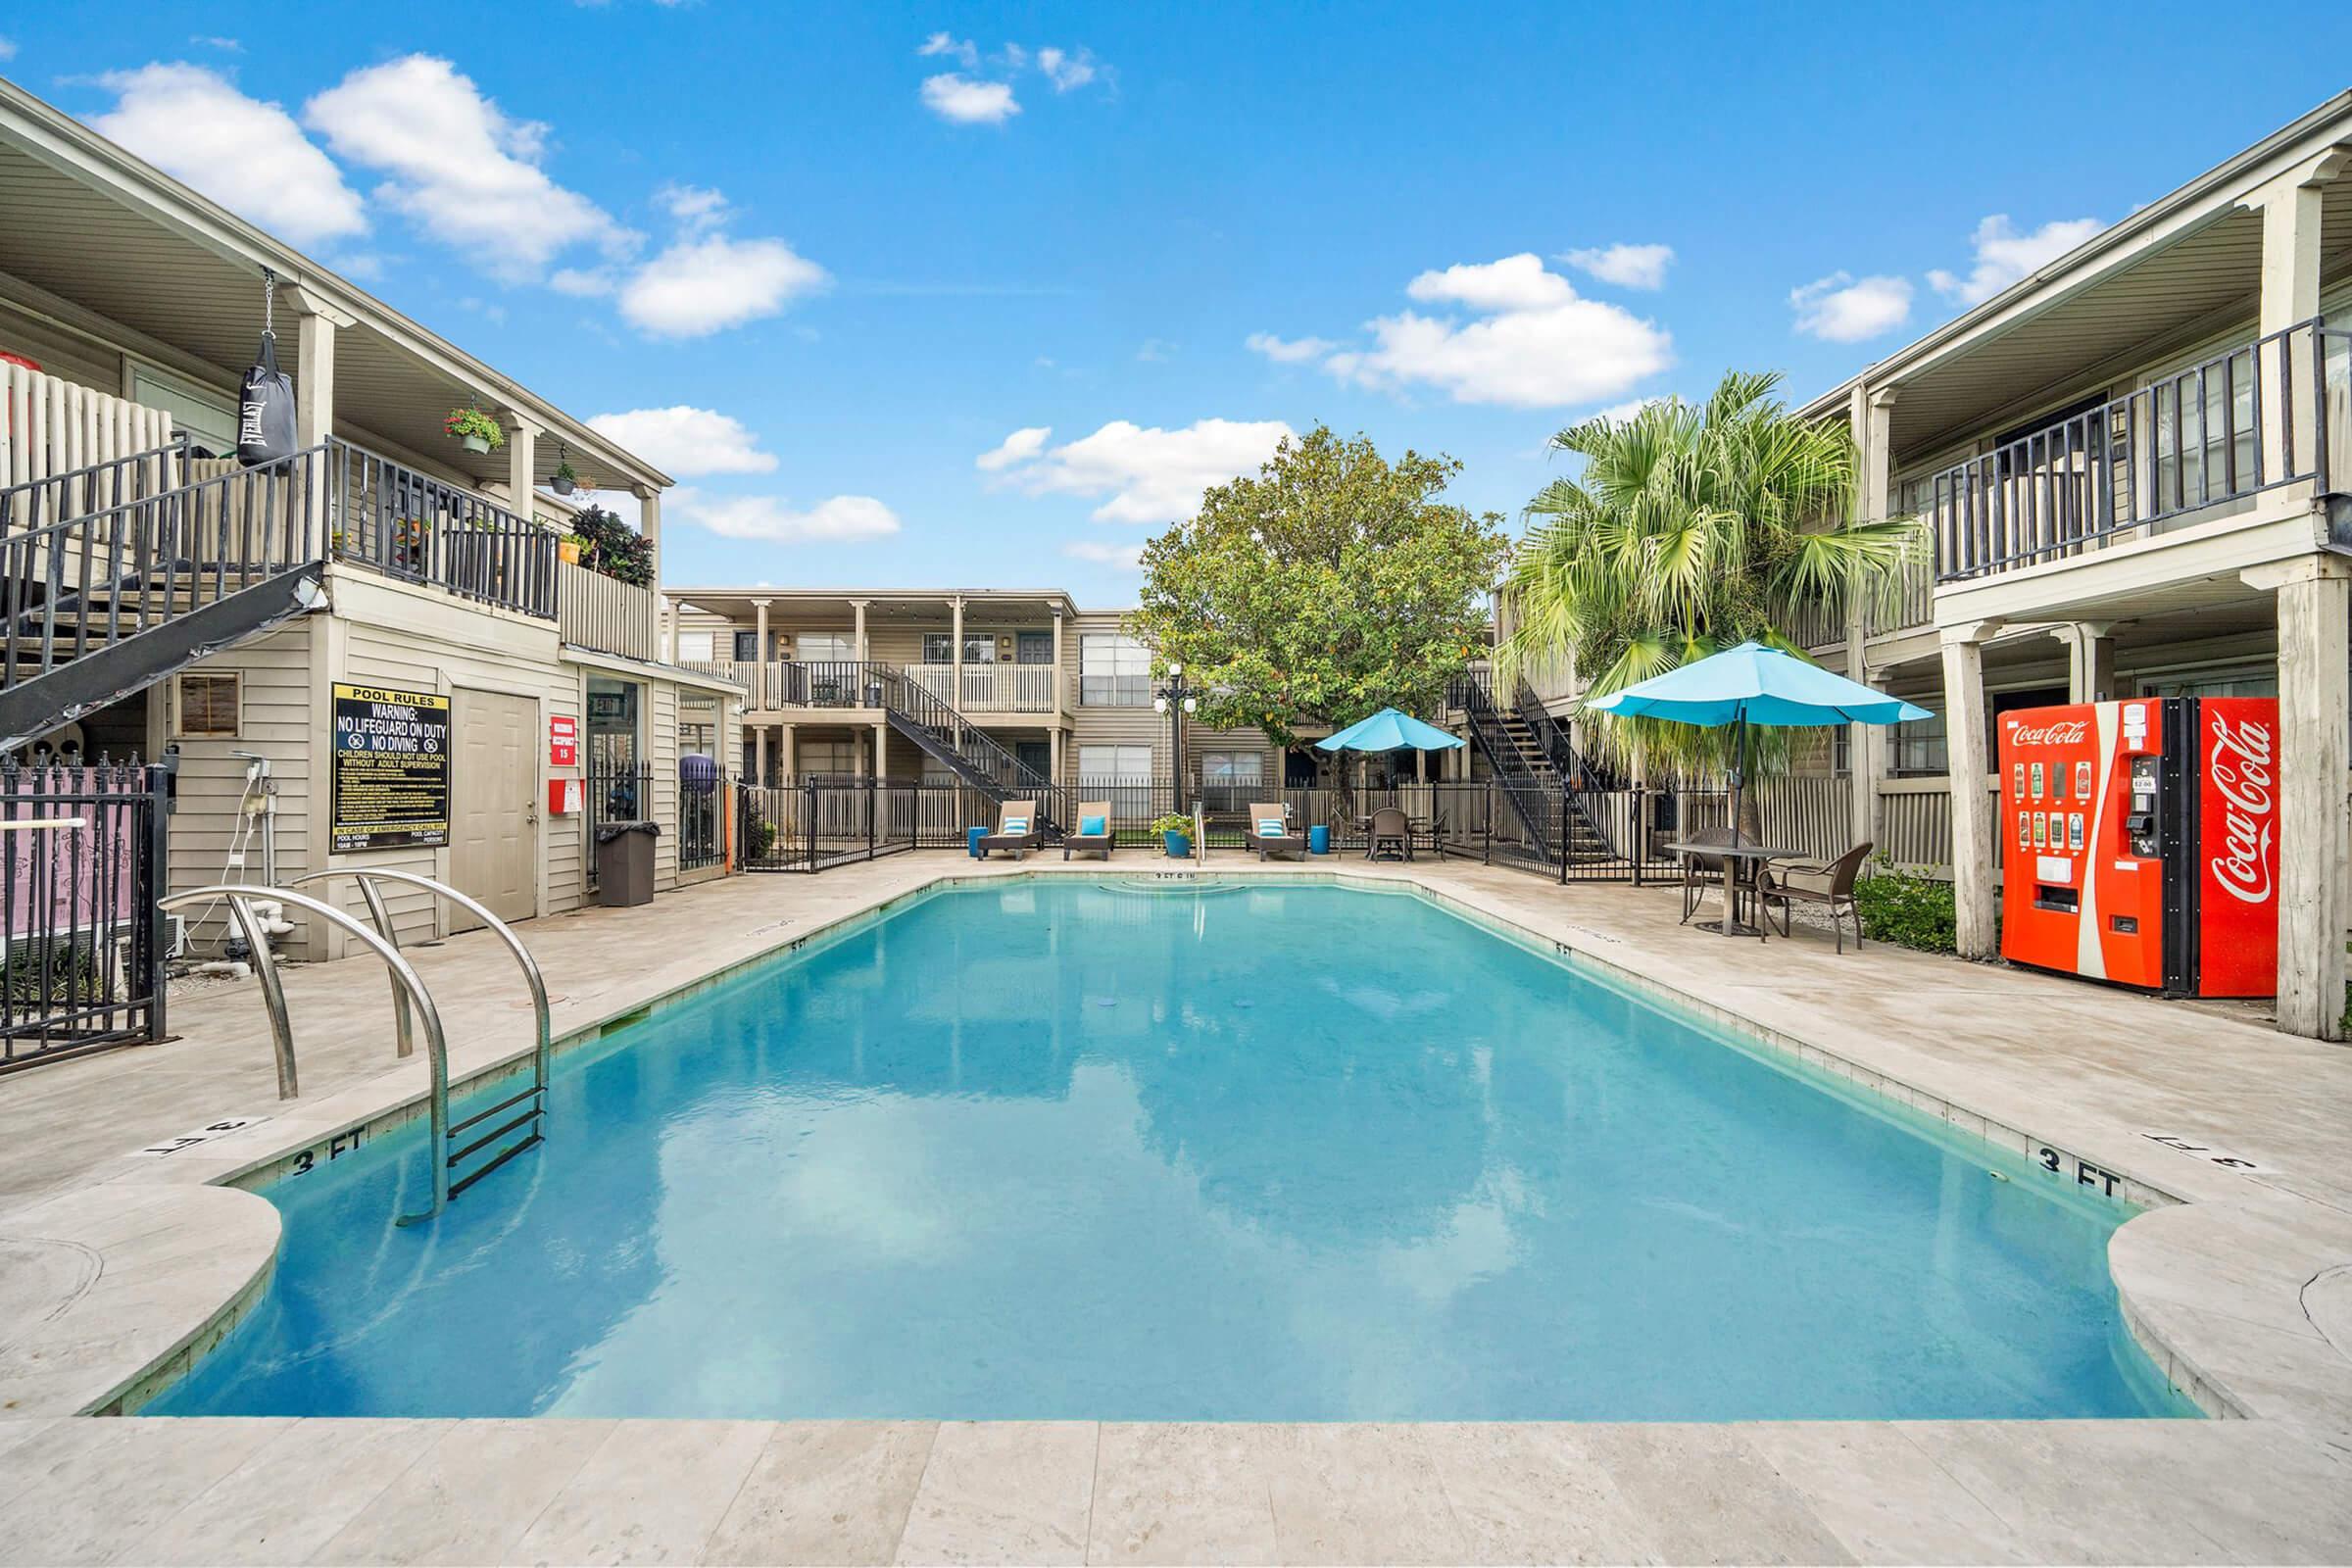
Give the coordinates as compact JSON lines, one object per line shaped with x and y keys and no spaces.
{"x":565,"y":480}
{"x":474,"y":430}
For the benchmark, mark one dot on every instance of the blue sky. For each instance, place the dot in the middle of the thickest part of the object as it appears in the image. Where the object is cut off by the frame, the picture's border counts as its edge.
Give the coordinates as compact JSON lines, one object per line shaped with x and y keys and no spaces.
{"x":982,"y":295}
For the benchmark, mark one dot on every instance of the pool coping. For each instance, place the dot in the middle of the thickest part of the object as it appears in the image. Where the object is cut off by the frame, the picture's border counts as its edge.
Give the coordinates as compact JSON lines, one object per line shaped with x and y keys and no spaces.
{"x":2238,"y":1341}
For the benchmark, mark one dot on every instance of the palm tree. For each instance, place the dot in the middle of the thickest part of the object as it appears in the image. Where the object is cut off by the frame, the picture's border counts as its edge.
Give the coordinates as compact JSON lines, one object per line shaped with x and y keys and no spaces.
{"x":1689,"y":531}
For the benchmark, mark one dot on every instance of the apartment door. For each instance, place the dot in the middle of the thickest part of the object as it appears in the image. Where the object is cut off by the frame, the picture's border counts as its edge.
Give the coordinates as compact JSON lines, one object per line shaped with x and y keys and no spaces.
{"x":493,"y":804}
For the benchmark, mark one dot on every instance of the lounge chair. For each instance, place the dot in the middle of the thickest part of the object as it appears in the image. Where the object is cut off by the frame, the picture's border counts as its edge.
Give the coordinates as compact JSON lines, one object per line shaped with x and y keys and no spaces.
{"x":1270,"y":831}
{"x":1831,"y":886}
{"x":1390,"y":829}
{"x":1094,"y":835}
{"x":1018,"y":830}
{"x":1701,"y":869}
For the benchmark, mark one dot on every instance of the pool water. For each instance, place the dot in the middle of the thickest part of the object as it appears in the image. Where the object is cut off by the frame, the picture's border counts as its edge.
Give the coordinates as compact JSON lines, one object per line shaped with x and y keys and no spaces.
{"x":1124,"y":1150}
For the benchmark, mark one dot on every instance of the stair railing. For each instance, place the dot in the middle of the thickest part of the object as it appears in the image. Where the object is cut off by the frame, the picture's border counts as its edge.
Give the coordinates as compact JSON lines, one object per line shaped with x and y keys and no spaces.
{"x":1531,"y":801}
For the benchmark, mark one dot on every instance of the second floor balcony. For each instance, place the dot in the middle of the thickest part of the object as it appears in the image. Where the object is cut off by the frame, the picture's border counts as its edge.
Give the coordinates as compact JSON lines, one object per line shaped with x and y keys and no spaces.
{"x":984,"y":690}
{"x":2190,"y":447}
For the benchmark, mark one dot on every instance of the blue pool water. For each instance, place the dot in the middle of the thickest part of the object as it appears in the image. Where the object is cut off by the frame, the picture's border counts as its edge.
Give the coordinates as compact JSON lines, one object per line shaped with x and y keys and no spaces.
{"x":1081,"y":1150}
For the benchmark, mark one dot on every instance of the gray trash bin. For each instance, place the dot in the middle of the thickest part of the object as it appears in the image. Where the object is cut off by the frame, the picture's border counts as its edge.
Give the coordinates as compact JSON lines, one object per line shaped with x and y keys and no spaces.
{"x":624,"y":863}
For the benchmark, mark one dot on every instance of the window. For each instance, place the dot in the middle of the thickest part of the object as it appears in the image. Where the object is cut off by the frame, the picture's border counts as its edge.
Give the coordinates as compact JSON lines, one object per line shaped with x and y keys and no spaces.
{"x":695,"y":647}
{"x":1916,"y":748}
{"x":1236,"y":768}
{"x":209,"y":706}
{"x":1114,"y":765}
{"x":746,"y":646}
{"x":826,"y":759}
{"x":825,"y":646}
{"x":2240,"y":682}
{"x":209,"y":418}
{"x":1114,"y":670}
{"x":979,"y":647}
{"x":1033,"y":648}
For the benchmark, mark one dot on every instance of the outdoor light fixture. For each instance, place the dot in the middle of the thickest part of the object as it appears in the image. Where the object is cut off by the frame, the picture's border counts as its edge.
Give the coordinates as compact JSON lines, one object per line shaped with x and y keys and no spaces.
{"x":1176,"y":699}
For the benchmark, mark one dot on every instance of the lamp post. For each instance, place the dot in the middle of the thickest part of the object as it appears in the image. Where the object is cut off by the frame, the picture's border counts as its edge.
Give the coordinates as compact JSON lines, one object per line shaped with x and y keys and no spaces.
{"x":1176,"y":699}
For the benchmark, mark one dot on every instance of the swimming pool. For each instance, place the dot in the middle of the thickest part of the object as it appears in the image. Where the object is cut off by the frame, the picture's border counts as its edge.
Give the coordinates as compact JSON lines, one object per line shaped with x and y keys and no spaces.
{"x":1093,"y":1149}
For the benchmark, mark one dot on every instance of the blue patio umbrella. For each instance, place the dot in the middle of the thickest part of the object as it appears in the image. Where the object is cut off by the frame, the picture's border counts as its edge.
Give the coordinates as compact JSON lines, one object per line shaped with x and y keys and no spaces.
{"x":1755,"y":684}
{"x":1390,"y":731}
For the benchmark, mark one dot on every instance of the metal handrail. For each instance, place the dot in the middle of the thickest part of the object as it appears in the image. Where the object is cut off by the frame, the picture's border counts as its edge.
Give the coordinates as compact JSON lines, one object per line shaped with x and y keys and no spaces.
{"x":241,"y":895}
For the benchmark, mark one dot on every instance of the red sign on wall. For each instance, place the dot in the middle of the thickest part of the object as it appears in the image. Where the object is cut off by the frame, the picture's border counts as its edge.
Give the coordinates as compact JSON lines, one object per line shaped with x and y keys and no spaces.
{"x":563,"y":741}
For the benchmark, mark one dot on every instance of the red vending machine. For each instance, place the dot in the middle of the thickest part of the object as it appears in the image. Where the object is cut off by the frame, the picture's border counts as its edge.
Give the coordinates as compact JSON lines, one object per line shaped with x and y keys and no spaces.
{"x":2141,"y":843}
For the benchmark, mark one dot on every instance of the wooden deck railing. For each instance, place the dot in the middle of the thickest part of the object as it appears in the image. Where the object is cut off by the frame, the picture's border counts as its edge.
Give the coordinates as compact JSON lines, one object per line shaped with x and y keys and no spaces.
{"x":594,"y":611}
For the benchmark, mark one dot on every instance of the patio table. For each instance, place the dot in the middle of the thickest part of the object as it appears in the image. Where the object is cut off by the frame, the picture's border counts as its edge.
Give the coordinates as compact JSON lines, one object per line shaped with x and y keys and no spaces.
{"x":1738,"y":879}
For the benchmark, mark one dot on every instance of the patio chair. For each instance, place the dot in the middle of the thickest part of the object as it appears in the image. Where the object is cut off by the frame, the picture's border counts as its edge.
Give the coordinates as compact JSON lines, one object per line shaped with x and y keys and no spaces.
{"x":1094,"y":835}
{"x":1391,"y":830}
{"x":1270,"y":831}
{"x":1699,"y":869}
{"x":1018,"y":830}
{"x":1831,"y":887}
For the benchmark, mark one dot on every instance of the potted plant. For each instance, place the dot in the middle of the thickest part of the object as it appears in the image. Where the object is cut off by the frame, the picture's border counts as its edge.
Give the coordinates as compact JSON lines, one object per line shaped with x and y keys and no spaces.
{"x":475,"y":430}
{"x":568,"y":548}
{"x":1176,"y":834}
{"x":566,"y":481}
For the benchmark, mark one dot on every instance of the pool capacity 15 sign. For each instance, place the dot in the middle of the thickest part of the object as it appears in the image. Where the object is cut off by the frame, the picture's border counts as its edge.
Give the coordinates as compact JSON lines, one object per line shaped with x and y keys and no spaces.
{"x":563,"y":740}
{"x":391,"y":770}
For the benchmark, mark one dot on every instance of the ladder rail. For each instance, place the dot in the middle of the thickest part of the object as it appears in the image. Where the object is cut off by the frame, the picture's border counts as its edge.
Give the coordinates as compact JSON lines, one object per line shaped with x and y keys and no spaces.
{"x":241,"y":895}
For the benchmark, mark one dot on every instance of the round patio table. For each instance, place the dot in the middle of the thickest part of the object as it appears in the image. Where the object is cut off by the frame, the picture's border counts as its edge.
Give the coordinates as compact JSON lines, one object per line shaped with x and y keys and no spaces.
{"x":1739,"y":876}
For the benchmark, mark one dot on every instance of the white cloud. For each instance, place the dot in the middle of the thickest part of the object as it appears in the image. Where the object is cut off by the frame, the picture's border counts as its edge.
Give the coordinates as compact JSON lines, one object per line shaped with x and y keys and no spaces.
{"x":1535,"y":344}
{"x":1625,"y":265}
{"x":1149,"y":476}
{"x":1067,"y":71}
{"x":843,"y":520}
{"x":245,"y":154}
{"x":1844,"y":309}
{"x":700,"y":286}
{"x":8,"y":48}
{"x":210,"y":40}
{"x":1288,"y":350}
{"x":583,"y":282}
{"x":2004,"y":256}
{"x":696,"y":208}
{"x":1514,"y":283}
{"x":966,"y":101}
{"x":1620,"y":412}
{"x":1019,"y":447}
{"x":954,"y":48}
{"x":686,"y":440}
{"x":459,"y":166}
{"x":1123,"y":558}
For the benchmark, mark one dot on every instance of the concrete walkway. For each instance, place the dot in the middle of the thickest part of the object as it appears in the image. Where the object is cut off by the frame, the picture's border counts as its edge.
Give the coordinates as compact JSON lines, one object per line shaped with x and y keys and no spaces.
{"x":112,"y":1264}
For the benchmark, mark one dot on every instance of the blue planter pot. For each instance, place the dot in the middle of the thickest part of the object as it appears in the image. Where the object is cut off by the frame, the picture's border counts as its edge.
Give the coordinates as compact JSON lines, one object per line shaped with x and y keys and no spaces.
{"x":1179,"y":846}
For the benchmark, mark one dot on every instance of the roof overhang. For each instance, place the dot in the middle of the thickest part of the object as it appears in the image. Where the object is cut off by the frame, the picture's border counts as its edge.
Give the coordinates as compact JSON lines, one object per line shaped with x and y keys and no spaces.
{"x":107,"y":236}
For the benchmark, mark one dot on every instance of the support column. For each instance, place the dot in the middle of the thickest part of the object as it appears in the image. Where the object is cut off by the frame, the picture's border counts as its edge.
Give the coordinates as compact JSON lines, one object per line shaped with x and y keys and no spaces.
{"x":1872,"y":413}
{"x":763,"y":691}
{"x":2315,"y":742}
{"x":881,"y":751}
{"x":1964,"y":723}
{"x":857,"y":610}
{"x":2089,"y":660}
{"x":667,"y":646}
{"x":759,"y":755}
{"x":955,"y":662}
{"x":1053,"y":739}
{"x":788,"y":751}
{"x":648,"y":522}
{"x":523,"y":462}
{"x":2290,"y":293}
{"x":315,"y":325}
{"x":1061,"y":695}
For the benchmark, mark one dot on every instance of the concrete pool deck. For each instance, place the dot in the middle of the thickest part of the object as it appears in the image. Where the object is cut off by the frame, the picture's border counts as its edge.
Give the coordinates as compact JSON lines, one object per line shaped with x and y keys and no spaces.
{"x":114,"y":1267}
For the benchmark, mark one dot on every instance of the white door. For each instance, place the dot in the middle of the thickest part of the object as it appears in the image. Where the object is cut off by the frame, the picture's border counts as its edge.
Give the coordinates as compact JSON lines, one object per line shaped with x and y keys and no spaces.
{"x":493,"y":804}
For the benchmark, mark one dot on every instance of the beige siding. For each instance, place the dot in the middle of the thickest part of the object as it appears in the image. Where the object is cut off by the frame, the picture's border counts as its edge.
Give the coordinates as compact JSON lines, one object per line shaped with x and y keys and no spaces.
{"x":59,"y":352}
{"x":1141,"y":726}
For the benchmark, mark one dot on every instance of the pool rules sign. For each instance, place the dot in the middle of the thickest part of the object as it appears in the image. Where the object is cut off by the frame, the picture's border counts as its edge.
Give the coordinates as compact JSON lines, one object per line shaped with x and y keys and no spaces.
{"x":391,"y":768}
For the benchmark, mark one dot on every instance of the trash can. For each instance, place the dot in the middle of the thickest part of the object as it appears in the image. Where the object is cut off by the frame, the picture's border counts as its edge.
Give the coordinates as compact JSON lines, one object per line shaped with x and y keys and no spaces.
{"x":971,"y":841}
{"x":1318,"y":840}
{"x":624,"y":863}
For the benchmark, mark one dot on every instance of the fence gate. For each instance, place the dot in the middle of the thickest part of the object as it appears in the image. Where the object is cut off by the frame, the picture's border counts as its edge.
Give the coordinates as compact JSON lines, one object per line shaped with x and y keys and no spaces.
{"x":85,"y":942}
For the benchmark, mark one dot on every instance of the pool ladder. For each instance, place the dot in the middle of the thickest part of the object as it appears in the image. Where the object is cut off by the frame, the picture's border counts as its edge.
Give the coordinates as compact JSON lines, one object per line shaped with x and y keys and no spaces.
{"x":410,"y":999}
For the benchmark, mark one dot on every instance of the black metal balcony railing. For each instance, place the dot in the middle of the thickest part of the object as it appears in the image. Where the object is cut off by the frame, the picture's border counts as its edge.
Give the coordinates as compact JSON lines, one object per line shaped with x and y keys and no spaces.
{"x":2249,"y":419}
{"x":408,"y":525}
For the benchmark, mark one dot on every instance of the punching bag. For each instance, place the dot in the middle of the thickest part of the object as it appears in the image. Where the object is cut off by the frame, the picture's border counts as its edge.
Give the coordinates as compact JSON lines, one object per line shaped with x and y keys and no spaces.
{"x":266,"y":407}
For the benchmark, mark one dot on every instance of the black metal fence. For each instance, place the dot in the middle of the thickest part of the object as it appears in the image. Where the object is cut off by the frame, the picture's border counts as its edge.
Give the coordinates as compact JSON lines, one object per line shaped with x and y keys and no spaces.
{"x":85,"y":942}
{"x":614,"y":792}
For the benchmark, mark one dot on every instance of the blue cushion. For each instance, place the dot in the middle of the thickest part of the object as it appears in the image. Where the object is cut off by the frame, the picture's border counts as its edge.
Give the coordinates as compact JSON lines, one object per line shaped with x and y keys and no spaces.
{"x":1016,"y":824}
{"x":1091,"y":827}
{"x":1270,"y":828}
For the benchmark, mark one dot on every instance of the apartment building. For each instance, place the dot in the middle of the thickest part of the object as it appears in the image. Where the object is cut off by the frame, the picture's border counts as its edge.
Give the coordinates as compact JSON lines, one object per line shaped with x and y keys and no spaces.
{"x":938,"y":683}
{"x":166,"y":602}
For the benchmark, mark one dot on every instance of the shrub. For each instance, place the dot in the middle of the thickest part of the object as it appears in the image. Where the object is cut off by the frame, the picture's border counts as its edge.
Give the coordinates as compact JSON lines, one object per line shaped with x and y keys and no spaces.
{"x":611,"y":546}
{"x":1907,"y":910}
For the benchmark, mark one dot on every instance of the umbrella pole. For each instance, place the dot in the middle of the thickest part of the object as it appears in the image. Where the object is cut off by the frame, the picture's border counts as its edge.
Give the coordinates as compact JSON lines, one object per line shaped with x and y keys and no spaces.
{"x":1733,"y":865}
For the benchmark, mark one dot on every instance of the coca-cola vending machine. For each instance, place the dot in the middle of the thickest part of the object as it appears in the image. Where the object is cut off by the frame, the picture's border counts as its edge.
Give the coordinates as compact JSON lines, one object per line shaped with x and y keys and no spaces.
{"x":2141,"y":843}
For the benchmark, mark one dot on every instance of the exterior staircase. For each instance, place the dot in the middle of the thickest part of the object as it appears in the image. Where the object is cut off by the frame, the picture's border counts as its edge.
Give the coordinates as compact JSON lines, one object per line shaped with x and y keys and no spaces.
{"x":115,"y":577}
{"x":1540,"y":773}
{"x":955,"y":743}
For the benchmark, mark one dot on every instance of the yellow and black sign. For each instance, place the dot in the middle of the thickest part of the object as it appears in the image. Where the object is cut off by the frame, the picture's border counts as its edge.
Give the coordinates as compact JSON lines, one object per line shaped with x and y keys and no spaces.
{"x":391,"y":768}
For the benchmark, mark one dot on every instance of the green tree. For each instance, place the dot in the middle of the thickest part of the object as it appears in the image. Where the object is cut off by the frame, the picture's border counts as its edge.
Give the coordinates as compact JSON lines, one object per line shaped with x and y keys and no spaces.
{"x":1688,"y":531}
{"x":1331,"y":585}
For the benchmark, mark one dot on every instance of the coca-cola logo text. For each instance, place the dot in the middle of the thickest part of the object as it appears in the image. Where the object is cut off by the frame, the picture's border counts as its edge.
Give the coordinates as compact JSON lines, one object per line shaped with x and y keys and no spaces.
{"x":2240,"y":769}
{"x":2062,"y":732}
